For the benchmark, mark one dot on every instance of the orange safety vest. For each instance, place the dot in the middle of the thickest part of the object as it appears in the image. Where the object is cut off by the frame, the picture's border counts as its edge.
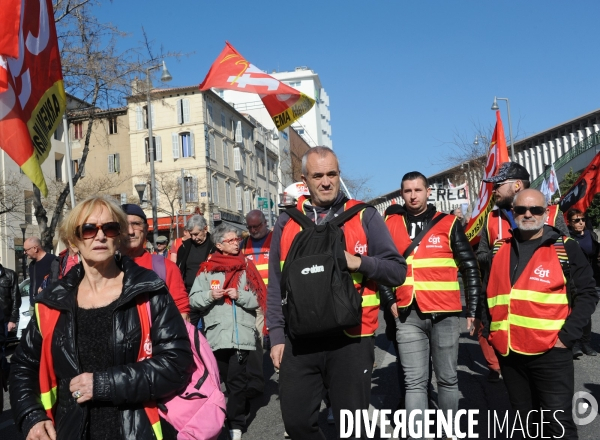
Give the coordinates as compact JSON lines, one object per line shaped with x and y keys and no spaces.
{"x":493,"y":232}
{"x":432,"y":273}
{"x":260,"y":259}
{"x":527,"y":317}
{"x":47,"y":319}
{"x":356,"y":243}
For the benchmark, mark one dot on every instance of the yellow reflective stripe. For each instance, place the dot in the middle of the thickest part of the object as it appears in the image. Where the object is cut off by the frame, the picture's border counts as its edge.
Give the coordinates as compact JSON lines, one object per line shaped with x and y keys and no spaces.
{"x":409,"y":260}
{"x":262,"y":266}
{"x":49,"y":398}
{"x":365,"y":335}
{"x":434,"y":262}
{"x":500,"y":325}
{"x":281,"y":263}
{"x":436,"y":285}
{"x":543,"y":298}
{"x":266,"y":281}
{"x":499,"y":300}
{"x":157,"y":430}
{"x":357,"y":278}
{"x":370,"y":300}
{"x":537,"y":323}
{"x":409,"y":281}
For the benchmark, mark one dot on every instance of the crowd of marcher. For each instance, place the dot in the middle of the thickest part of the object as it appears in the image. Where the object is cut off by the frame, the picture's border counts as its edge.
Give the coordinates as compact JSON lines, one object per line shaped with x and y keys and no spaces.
{"x":107,"y":343}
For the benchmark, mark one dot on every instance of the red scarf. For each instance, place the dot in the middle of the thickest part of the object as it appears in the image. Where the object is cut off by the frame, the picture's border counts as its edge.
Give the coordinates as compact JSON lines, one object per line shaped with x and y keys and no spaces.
{"x":233,"y":266}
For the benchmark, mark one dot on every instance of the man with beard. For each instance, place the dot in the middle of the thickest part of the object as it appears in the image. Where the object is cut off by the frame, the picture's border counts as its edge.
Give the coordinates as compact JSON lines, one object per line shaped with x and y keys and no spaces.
{"x":427,"y":306}
{"x":540,"y":295}
{"x":511,"y":179}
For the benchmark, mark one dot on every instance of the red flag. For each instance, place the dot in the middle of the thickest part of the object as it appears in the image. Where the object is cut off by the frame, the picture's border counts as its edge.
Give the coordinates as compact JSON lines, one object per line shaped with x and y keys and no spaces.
{"x":32,"y":105}
{"x":232,"y":72}
{"x":9,"y":37}
{"x":582,"y":192}
{"x":497,"y":155}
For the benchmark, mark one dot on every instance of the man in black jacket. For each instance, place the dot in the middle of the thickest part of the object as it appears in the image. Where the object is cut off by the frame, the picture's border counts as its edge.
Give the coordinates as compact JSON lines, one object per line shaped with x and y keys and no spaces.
{"x":195,"y":251}
{"x":532,"y":317}
{"x":427,"y":306}
{"x":10,"y":299}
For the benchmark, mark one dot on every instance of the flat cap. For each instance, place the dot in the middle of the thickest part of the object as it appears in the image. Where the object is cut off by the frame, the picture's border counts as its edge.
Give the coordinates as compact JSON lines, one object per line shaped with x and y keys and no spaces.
{"x":131,"y":209}
{"x":509,"y":171}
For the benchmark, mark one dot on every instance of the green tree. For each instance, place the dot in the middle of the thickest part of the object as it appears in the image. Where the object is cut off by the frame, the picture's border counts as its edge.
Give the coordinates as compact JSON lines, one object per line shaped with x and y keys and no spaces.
{"x":593,"y":211}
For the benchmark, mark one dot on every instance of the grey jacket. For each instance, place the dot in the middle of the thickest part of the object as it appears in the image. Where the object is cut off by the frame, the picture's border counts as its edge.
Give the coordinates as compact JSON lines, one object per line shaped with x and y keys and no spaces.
{"x":219,"y":317}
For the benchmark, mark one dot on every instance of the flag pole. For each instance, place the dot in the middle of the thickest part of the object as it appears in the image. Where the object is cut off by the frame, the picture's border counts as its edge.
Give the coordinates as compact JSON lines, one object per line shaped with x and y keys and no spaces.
{"x":68,"y":156}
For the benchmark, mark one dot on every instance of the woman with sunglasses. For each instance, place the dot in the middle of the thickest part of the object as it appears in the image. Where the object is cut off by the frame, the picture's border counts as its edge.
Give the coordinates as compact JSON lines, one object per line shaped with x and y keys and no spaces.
{"x":588,"y":241}
{"x":227,"y":291}
{"x":82,"y":370}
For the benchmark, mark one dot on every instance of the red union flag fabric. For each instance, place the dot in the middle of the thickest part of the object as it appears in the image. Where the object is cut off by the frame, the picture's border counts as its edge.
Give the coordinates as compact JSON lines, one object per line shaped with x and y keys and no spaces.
{"x":9,"y":37}
{"x":496,"y":156}
{"x":231,"y":71}
{"x":582,"y":192}
{"x":32,"y":104}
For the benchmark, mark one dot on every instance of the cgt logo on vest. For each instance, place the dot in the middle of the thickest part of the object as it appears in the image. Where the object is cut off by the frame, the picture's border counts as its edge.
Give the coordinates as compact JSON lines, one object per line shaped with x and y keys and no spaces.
{"x":435,"y":242}
{"x":360,"y":248}
{"x":541,"y":274}
{"x":313,"y":269}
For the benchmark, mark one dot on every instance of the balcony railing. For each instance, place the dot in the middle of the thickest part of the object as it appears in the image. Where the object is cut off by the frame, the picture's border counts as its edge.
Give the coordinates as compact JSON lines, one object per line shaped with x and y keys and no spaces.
{"x":579,"y":148}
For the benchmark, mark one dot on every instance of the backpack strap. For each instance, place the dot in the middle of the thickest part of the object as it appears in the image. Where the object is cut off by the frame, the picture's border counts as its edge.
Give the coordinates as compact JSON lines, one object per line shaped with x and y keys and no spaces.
{"x":348,"y":214}
{"x":159,"y":266}
{"x":300,"y":218}
{"x":419,"y":237}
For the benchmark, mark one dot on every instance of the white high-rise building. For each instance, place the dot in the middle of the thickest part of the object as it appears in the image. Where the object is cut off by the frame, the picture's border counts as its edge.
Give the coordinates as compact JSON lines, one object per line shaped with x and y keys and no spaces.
{"x":314,"y":126}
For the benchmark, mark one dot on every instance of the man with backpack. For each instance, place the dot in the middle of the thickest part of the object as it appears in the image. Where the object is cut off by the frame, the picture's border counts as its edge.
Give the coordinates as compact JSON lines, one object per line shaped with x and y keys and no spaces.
{"x":329,"y":305}
{"x":427,"y":305}
{"x":135,"y":248}
{"x":532,"y":317}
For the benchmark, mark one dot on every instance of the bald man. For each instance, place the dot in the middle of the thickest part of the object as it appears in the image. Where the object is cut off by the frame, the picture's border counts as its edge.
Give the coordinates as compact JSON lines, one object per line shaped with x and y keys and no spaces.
{"x":534,"y":317}
{"x":41,"y":262}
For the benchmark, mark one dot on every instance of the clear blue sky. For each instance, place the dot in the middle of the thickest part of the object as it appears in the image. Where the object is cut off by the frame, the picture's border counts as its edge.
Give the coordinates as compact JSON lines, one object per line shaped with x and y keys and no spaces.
{"x":403,"y":76}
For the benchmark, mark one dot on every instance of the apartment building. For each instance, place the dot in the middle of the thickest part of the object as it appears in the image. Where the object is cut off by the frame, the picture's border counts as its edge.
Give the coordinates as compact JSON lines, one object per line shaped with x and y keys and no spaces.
{"x":205,"y":146}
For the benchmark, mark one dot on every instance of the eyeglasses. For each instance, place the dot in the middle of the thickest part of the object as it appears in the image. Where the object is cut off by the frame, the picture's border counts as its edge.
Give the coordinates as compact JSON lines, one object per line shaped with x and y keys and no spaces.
{"x":535,"y":210}
{"x":27,"y":250}
{"x":232,"y":240}
{"x":578,"y":220}
{"x":498,"y":185}
{"x":137,"y":225}
{"x":254,"y":226}
{"x":90,"y":230}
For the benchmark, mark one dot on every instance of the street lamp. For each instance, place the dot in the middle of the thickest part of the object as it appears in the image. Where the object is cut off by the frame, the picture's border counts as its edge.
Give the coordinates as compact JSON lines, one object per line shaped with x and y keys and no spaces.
{"x":495,"y":107}
{"x":140,"y":188}
{"x":165,"y":77}
{"x":23,"y":227}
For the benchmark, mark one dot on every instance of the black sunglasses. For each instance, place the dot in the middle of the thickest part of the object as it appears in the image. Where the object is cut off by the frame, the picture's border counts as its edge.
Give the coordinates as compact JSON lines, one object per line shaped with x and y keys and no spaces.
{"x":535,"y":210}
{"x":90,"y":230}
{"x":578,"y":220}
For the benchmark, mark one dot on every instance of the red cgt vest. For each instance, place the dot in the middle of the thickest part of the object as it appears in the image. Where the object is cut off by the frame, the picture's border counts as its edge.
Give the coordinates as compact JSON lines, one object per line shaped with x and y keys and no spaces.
{"x":261,"y":260}
{"x":47,"y":319}
{"x":493,"y":231}
{"x":527,"y":317}
{"x":356,"y":243}
{"x":432,"y":274}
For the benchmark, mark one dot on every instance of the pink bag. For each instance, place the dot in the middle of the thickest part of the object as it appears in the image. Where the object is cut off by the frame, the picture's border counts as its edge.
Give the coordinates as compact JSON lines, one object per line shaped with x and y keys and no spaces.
{"x":198,"y":412}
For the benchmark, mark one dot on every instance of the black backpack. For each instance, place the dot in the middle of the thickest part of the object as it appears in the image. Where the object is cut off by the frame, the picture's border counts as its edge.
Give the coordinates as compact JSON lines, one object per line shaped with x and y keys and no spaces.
{"x":318,"y":294}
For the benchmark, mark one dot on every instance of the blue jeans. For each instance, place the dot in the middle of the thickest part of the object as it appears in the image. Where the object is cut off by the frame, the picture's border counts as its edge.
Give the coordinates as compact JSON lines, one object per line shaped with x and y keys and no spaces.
{"x":419,"y":337}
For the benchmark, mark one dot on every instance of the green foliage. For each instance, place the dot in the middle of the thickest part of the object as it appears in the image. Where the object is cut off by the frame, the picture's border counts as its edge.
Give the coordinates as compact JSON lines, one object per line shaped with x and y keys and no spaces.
{"x":593,"y":211}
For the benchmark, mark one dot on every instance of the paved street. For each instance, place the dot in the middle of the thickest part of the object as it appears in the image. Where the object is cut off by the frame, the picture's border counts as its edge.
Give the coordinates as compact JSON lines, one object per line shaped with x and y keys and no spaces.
{"x":476,"y":393}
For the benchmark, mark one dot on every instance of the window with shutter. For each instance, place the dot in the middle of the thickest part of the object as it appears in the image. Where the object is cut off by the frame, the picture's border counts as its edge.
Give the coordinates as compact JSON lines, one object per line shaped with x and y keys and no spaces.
{"x":111,"y":163}
{"x":247,"y":200}
{"x":238,"y":133}
{"x":238,"y":198}
{"x":175,"y":145}
{"x":213,"y":148}
{"x":215,"y":189}
{"x":112,"y":125}
{"x":223,"y":126}
{"x":209,"y":111}
{"x":244,"y":158}
{"x":225,"y":153}
{"x":186,"y":144}
{"x":148,"y":150}
{"x":228,"y":194}
{"x":236,"y":159}
{"x":158,"y":146}
{"x":192,"y":145}
{"x":179,"y":106}
{"x":195,"y":189}
{"x":186,"y":110}
{"x":117,"y":165}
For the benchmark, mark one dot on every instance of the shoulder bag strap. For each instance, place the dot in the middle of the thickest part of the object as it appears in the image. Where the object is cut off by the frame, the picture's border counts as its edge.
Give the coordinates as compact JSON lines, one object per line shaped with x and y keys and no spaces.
{"x":419,"y":237}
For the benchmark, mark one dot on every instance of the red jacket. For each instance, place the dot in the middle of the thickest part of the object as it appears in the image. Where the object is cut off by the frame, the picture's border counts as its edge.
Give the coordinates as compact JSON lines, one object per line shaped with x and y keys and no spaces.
{"x":174,"y":281}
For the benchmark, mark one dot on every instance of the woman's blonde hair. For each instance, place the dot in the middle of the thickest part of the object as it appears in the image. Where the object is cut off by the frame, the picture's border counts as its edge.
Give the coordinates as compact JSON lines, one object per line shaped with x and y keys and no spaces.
{"x":67,"y":230}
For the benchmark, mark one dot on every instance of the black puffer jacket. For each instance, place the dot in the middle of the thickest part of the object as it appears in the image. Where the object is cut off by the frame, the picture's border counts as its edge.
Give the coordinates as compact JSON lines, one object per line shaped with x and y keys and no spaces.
{"x":129,"y":383}
{"x":463,"y":256}
{"x":10,"y":297}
